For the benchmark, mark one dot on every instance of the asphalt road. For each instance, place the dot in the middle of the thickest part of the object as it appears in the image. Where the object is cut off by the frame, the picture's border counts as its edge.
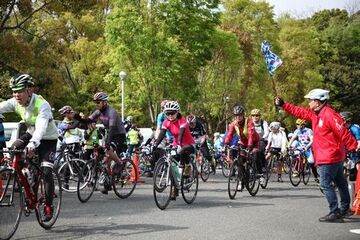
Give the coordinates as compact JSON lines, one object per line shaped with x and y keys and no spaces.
{"x":279,"y":212}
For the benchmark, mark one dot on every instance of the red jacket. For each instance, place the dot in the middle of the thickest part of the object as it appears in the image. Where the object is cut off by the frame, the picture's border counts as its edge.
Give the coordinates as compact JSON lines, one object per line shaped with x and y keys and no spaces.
{"x":248,"y":136}
{"x":330,"y":136}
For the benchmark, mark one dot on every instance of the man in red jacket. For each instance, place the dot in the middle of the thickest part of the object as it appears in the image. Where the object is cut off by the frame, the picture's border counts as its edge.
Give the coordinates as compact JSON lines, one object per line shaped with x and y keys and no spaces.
{"x":331,"y":139}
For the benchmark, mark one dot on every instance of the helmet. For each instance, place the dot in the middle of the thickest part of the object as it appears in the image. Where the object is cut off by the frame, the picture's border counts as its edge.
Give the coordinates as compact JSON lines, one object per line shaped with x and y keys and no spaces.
{"x":346,"y":116}
{"x":275,"y":125}
{"x":100,"y":96}
{"x":301,"y":121}
{"x":191,"y":119}
{"x":171,"y":106}
{"x":318,"y":94}
{"x":255,"y":112}
{"x":21,"y":82}
{"x":129,"y":118}
{"x":238,"y":110}
{"x":66,"y":109}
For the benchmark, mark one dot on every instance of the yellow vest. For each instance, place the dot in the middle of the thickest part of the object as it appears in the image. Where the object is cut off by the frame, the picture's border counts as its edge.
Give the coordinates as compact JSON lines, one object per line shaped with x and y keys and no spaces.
{"x":31,"y":118}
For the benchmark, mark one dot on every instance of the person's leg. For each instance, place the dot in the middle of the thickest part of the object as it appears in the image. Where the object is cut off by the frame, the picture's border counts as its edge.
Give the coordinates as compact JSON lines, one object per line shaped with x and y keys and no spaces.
{"x":326,"y":178}
{"x":342,"y":185}
{"x":185,"y":158}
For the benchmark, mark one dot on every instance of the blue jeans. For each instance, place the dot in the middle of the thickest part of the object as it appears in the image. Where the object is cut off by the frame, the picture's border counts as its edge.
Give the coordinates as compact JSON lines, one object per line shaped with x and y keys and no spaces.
{"x":334,"y":173}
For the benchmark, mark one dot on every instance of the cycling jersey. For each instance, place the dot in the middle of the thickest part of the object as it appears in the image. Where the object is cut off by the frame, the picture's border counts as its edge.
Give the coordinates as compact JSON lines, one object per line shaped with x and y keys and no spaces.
{"x":159,"y":121}
{"x":37,"y":116}
{"x":303,"y":137}
{"x":70,"y":133}
{"x":277,"y":140}
{"x":111,"y":120}
{"x":174,"y":129}
{"x":198,"y":131}
{"x":246,"y":132}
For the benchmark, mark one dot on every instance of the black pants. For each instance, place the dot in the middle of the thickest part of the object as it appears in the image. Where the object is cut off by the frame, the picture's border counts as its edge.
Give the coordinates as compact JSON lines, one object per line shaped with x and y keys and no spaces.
{"x":185,"y":154}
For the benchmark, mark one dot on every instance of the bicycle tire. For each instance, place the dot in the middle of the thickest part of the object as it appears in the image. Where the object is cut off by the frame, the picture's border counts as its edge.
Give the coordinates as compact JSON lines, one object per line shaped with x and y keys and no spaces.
{"x":10,"y":213}
{"x":306,"y":174}
{"x":295,"y":176}
{"x":40,"y":196}
{"x":233,"y":180}
{"x":88,"y":180}
{"x":162,"y":187}
{"x":270,"y":165}
{"x":70,"y":183}
{"x":205,"y":170}
{"x":190,"y":185}
{"x":122,"y":183}
{"x":252,"y":178}
{"x":225,"y":168}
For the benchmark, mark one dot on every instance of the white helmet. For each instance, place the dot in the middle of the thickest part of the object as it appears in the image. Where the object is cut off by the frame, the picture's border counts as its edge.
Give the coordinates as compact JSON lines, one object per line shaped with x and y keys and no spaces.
{"x":171,"y":106}
{"x":318,"y":94}
{"x":275,"y":125}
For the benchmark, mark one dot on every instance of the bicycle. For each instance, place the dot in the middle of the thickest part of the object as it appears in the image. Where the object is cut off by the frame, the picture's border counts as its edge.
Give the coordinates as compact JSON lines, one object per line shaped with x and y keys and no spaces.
{"x":243,"y":174}
{"x":22,"y":190}
{"x":299,"y":167}
{"x":271,"y":166}
{"x":221,"y":160}
{"x":168,"y":176}
{"x":203,"y":165}
{"x":94,"y":173}
{"x":69,"y":163}
{"x":145,"y":160}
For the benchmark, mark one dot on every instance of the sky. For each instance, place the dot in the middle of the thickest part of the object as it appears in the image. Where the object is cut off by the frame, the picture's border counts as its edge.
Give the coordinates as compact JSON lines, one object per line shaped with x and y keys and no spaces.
{"x":305,"y":8}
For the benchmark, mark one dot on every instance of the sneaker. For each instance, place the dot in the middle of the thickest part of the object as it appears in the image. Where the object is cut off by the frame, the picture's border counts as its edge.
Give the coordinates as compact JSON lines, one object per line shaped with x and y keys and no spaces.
{"x":262,"y":180}
{"x":240,"y":187}
{"x":187,"y":170}
{"x":48,"y":213}
{"x":347,"y":213}
{"x":332,"y":217}
{"x":280,"y":179}
{"x":316,"y":180}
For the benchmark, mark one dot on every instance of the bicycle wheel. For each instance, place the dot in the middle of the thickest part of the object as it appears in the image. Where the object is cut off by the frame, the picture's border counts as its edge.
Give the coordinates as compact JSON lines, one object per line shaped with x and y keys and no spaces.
{"x":225,"y":168}
{"x":122,"y":184}
{"x":233,"y":180}
{"x":162,"y":185}
{"x":286,"y":165}
{"x":294,"y":175}
{"x":205,"y":170}
{"x":11,"y":203}
{"x":270,"y":165}
{"x":266,"y":177}
{"x":189,"y":185}
{"x":88,"y":180}
{"x":252,"y":178}
{"x":40,"y":196}
{"x":69,"y":172}
{"x":306,"y":174}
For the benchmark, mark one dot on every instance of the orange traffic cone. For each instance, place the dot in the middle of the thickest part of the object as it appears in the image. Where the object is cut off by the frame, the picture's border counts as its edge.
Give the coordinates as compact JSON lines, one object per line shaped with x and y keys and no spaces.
{"x":356,"y":202}
{"x":135,"y":176}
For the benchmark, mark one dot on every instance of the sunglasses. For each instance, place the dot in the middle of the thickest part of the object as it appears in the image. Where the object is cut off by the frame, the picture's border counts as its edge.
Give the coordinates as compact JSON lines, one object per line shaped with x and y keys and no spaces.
{"x":97,"y":102}
{"x":170,"y":113}
{"x":255,"y":115}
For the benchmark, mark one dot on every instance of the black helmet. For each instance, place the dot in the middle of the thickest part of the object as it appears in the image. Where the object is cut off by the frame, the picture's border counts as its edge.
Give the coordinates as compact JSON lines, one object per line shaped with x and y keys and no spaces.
{"x":238,"y":110}
{"x":346,"y":116}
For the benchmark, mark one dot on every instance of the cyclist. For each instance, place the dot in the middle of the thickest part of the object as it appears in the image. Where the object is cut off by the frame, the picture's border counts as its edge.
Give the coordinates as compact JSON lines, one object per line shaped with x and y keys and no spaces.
{"x":41,"y":132}
{"x":127,"y":123}
{"x":245,"y":130}
{"x":262,"y":128}
{"x":176,"y":124}
{"x":304,"y":139}
{"x":116,"y":136}
{"x":331,"y":139}
{"x":92,"y":137}
{"x":68,"y":129}
{"x":277,"y":143}
{"x":198,"y":132}
{"x":353,"y":156}
{"x":2,"y":136}
{"x":134,"y":139}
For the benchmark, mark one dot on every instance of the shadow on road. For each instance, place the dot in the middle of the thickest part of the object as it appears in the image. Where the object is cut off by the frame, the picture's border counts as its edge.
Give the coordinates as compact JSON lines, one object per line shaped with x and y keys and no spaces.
{"x":111,"y":230}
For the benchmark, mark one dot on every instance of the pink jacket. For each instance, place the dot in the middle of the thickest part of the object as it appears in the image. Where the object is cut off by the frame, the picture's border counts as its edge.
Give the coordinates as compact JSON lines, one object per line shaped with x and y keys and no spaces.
{"x":330,"y":136}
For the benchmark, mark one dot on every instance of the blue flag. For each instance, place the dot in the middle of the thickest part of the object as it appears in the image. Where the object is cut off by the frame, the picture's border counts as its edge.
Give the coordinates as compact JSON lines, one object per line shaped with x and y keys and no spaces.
{"x":272,"y":60}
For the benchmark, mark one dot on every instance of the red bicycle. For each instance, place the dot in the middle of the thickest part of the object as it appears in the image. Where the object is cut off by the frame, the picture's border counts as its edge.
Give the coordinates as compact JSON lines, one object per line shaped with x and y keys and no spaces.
{"x":22,"y":189}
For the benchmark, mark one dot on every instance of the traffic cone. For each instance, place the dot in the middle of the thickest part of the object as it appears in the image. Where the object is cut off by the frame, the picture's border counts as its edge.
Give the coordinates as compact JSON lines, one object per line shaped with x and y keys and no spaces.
{"x":356,"y":197}
{"x":135,"y":176}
